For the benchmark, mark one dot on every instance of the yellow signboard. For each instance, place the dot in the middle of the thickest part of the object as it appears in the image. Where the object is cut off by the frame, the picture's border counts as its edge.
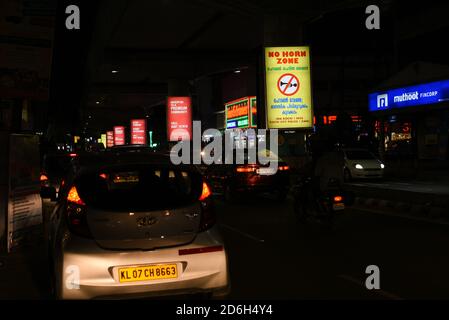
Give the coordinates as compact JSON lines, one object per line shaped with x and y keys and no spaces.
{"x":103,"y":140}
{"x":288,"y":88}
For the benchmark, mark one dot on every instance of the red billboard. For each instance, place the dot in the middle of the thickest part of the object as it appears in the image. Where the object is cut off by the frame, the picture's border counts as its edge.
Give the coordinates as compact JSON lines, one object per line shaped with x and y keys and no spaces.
{"x":138,"y":131}
{"x":119,"y":136}
{"x":109,"y":139}
{"x":179,"y":118}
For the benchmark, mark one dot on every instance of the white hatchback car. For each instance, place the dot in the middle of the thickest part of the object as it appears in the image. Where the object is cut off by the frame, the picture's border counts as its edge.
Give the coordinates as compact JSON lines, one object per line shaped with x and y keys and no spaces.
{"x":134,"y":225}
{"x":360,"y":163}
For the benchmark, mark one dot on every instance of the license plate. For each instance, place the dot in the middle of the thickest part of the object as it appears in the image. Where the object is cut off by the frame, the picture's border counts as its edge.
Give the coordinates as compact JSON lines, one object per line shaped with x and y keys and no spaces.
{"x":266,"y":171}
{"x":145,"y":273}
{"x":338,"y":206}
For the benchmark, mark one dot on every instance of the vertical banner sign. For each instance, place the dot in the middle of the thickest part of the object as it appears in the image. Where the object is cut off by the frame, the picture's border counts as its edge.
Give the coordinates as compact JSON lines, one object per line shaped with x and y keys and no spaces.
{"x":179,"y":118}
{"x":103,"y":140}
{"x":109,"y":139}
{"x":119,"y":136}
{"x":253,"y":106}
{"x":138,"y":131}
{"x":237,"y":113}
{"x":288,"y":88}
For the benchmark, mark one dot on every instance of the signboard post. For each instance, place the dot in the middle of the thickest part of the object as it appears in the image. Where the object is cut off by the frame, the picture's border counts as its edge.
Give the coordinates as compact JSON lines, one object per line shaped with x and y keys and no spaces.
{"x":288,"y":88}
{"x":179,"y":119}
{"x":139,"y":131}
{"x":119,"y":136}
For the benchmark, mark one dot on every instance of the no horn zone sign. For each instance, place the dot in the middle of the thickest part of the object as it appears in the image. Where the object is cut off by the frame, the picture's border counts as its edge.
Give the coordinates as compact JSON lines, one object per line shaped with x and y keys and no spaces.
{"x":288,"y":88}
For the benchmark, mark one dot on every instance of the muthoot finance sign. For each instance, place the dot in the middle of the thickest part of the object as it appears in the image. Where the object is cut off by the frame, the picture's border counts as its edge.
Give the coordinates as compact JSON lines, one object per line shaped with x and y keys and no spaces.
{"x":288,"y":88}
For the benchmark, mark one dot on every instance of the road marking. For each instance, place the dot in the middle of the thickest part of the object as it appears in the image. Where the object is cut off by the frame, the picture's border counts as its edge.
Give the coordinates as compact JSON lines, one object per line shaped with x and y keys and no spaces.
{"x":242,"y":233}
{"x":381,"y":292}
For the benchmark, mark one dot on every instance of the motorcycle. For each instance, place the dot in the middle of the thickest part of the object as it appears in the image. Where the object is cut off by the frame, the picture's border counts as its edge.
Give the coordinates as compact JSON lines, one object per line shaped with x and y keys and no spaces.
{"x":313,"y":204}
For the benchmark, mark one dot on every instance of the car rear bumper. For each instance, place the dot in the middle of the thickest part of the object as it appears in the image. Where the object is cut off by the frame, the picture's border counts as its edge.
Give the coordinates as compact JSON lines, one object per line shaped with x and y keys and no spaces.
{"x":197,"y":273}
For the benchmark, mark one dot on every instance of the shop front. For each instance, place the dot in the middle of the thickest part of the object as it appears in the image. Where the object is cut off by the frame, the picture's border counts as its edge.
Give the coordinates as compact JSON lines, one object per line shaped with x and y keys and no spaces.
{"x":413,"y":122}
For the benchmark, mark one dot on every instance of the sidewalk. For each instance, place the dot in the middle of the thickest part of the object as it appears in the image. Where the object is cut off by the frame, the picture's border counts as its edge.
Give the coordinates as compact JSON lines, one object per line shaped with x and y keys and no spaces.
{"x":417,"y":199}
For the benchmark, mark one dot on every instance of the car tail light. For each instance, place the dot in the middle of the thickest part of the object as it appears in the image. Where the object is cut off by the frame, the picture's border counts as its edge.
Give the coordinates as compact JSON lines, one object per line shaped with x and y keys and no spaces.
{"x":73,"y":155}
{"x":76,"y":214}
{"x":338,"y":198}
{"x":43,"y":178}
{"x":205,"y":192}
{"x":208,"y":217}
{"x":73,"y":197}
{"x":284,"y":168}
{"x":246,"y":169}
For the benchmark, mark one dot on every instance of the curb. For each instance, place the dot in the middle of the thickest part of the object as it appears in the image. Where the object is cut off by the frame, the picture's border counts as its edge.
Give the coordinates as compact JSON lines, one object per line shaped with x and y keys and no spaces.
{"x":428,"y":210}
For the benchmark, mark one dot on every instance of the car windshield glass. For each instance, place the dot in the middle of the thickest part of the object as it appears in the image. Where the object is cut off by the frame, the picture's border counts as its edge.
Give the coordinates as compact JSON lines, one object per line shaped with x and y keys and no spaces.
{"x":359,"y":155}
{"x":139,"y":188}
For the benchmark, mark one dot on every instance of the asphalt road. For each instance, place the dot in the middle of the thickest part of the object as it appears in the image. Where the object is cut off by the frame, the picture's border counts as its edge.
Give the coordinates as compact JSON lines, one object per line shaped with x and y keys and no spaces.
{"x":272,"y":257}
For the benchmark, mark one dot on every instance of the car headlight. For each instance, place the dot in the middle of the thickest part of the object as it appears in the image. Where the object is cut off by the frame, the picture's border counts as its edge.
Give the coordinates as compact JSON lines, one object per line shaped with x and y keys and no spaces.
{"x":382,"y":166}
{"x":358,"y":166}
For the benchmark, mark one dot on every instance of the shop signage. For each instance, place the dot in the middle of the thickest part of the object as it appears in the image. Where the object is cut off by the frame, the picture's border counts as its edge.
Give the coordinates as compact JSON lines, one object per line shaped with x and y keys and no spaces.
{"x":288,"y":88}
{"x":423,"y":94}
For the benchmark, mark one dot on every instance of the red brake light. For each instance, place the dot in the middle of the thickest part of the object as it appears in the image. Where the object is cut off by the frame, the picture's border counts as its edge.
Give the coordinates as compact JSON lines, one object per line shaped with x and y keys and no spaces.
{"x":246,"y":169}
{"x":103,"y":176}
{"x":76,"y":214}
{"x":73,"y":197}
{"x":206,"y":193}
{"x":284,"y":168}
{"x":338,"y":199}
{"x":73,"y":155}
{"x":43,"y":178}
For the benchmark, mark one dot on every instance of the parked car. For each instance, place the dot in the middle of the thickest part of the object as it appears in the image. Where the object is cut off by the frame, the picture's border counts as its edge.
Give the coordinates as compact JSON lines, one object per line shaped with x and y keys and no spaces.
{"x":54,"y":169}
{"x":235,"y":180}
{"x":360,"y":163}
{"x":132,"y":224}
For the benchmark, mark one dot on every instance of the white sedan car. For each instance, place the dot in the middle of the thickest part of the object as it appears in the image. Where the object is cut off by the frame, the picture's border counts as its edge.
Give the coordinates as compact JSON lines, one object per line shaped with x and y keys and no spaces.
{"x":360,"y":163}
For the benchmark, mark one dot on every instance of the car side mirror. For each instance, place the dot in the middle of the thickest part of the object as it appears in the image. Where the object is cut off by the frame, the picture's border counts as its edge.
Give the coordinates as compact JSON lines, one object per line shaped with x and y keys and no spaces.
{"x":48,"y":193}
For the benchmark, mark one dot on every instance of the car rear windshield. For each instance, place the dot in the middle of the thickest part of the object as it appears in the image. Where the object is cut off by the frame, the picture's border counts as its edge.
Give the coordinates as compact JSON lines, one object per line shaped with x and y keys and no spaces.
{"x":139,"y":188}
{"x":359,"y":155}
{"x":57,"y":165}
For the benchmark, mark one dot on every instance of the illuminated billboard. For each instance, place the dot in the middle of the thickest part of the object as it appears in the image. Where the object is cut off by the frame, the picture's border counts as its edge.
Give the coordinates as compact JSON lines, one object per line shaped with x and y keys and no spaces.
{"x":138,"y":131}
{"x":241,"y":113}
{"x":423,"y":94}
{"x":179,"y":118}
{"x":288,"y":88}
{"x":109,"y":139}
{"x":119,"y":136}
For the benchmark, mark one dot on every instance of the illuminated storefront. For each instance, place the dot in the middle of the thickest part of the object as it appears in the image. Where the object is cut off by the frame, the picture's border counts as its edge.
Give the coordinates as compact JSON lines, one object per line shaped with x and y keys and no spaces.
{"x":413,"y":121}
{"x":241,"y":114}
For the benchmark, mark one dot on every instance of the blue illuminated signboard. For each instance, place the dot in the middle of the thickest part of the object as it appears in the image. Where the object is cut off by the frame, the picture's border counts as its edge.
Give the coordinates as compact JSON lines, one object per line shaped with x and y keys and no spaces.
{"x":428,"y":93}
